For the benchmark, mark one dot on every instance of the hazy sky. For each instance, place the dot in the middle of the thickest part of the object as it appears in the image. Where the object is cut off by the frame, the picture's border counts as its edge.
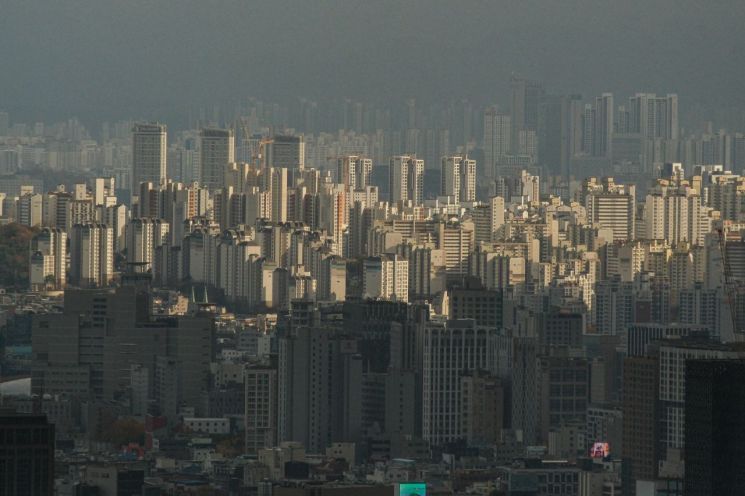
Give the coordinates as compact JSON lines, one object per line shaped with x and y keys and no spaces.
{"x":107,"y":59}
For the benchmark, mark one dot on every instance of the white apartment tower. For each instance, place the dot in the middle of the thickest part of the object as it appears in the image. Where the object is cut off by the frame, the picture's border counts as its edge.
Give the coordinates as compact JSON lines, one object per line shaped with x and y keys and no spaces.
{"x":91,"y":255}
{"x":406,"y":179}
{"x":353,"y":171}
{"x":458,"y":178}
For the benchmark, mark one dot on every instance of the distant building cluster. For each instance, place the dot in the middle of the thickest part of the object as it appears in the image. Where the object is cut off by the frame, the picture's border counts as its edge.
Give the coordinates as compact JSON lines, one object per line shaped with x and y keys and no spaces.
{"x":553,"y":306}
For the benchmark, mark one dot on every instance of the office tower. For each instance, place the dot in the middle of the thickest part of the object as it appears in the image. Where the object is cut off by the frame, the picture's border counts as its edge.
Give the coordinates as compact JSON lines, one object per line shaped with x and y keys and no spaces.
{"x":612,"y":206}
{"x":143,"y":236}
{"x":563,"y":386}
{"x":449,"y":349}
{"x":91,"y":255}
{"x":526,"y":98}
{"x":654,"y":116}
{"x":406,"y":179}
{"x":149,"y":151}
{"x":480,"y":304}
{"x":217,"y":148}
{"x":714,"y":427}
{"x":48,"y":260}
{"x":29,"y":209}
{"x":286,"y":152}
{"x":353,"y":171}
{"x":603,"y":132}
{"x":386,"y":277}
{"x":79,"y":352}
{"x":27,"y":455}
{"x":640,"y":421}
{"x":260,"y":414}
{"x":320,"y":381}
{"x":559,"y":132}
{"x":673,"y":357}
{"x":497,"y":136}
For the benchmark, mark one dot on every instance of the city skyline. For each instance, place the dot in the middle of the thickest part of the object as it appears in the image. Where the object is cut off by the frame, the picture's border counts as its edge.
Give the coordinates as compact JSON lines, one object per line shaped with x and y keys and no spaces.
{"x":346,"y":248}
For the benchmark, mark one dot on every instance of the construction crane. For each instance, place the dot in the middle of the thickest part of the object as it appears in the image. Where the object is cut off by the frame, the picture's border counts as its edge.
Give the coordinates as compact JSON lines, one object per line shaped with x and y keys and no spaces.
{"x":730,"y":286}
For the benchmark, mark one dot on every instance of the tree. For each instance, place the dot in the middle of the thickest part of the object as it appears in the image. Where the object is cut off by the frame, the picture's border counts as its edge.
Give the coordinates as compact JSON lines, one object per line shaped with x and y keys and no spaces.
{"x":14,"y":254}
{"x":124,"y":431}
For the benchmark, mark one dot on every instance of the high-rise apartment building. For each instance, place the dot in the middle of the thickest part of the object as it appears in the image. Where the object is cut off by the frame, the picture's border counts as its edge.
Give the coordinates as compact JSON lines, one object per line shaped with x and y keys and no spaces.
{"x":149,"y":152}
{"x":277,"y":187}
{"x":48,"y":259}
{"x":612,"y":206}
{"x":217,"y":150}
{"x":386,"y":277}
{"x":353,"y":171}
{"x":675,"y":215}
{"x":458,"y":178}
{"x":654,"y":116}
{"x":29,"y":209}
{"x":91,"y":255}
{"x":143,"y":236}
{"x":406,"y":179}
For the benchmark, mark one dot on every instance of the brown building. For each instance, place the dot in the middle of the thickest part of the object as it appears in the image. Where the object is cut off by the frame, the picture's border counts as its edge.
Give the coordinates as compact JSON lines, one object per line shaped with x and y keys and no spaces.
{"x":482,"y":408}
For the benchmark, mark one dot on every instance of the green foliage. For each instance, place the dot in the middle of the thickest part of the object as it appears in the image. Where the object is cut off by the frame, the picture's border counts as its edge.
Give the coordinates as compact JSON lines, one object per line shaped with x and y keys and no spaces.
{"x":14,"y":254}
